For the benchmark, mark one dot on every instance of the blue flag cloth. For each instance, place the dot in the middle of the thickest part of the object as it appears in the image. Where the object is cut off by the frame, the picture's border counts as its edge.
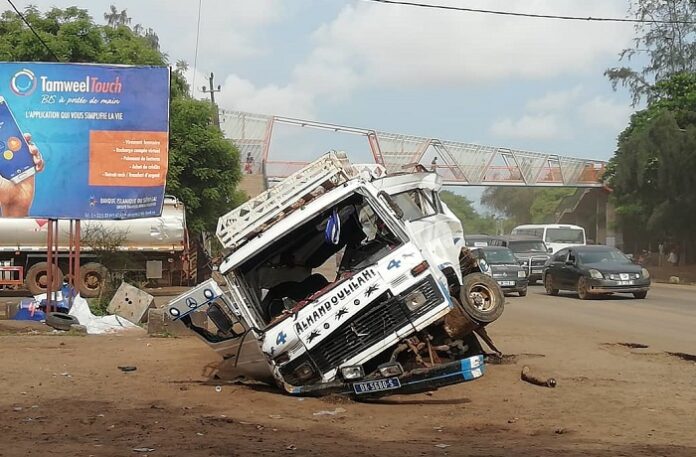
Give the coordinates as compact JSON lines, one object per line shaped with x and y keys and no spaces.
{"x":332,"y":233}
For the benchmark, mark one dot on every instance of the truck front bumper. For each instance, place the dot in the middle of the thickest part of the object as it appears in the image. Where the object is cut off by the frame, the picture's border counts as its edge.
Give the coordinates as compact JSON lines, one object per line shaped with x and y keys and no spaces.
{"x":418,"y":380}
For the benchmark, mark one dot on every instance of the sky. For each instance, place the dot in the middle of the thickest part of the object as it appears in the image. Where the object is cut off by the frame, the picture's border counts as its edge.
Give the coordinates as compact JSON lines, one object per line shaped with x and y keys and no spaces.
{"x":521,"y":83}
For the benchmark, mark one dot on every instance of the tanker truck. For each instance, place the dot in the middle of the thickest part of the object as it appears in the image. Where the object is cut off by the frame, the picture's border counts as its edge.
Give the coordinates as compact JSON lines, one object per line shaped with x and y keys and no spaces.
{"x":154,"y":249}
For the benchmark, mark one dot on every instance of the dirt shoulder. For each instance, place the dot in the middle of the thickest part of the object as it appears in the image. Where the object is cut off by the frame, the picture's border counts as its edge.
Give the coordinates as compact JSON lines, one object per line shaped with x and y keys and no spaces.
{"x":67,"y":396}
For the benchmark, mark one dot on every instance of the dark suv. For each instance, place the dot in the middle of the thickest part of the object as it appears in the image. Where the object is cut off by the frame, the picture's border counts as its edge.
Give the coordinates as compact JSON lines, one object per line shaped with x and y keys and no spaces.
{"x":530,"y":251}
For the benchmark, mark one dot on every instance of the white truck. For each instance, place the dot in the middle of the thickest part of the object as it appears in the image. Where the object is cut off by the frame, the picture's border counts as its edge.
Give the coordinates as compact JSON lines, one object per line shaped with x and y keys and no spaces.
{"x":343,"y":279}
{"x":155,"y":248}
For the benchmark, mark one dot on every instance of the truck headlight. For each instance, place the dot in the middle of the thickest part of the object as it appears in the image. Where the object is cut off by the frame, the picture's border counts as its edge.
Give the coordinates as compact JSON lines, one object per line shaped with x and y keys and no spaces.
{"x":645,"y":273}
{"x":390,"y":369}
{"x":483,"y":265}
{"x":304,"y":372}
{"x":596,"y":274}
{"x":415,"y":300}
{"x":521,"y":274}
{"x":354,"y":372}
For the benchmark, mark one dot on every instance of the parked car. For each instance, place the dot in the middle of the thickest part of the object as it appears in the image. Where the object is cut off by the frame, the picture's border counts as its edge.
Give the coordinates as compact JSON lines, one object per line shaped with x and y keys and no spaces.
{"x":593,"y":270}
{"x":529,"y":250}
{"x":504,"y":268}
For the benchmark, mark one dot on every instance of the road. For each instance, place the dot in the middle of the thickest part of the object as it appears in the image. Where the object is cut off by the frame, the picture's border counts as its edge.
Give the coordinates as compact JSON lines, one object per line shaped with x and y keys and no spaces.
{"x":665,"y":320}
{"x":66,"y":396}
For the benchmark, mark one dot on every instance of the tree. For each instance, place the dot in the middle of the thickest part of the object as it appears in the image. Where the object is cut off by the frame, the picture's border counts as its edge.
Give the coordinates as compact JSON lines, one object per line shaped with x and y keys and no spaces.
{"x":472,"y":221}
{"x":652,"y":172}
{"x":666,"y":41}
{"x":115,"y":18}
{"x":207,"y":187}
{"x":204,"y":167}
{"x":525,"y":205}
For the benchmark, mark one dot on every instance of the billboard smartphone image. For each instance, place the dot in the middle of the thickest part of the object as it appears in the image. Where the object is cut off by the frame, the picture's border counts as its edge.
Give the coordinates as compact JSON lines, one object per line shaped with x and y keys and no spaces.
{"x":100,"y":133}
{"x":16,"y":163}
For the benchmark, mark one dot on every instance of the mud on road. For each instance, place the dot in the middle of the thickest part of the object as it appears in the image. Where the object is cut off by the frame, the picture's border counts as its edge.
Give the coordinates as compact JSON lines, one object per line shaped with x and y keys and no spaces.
{"x":66,"y":396}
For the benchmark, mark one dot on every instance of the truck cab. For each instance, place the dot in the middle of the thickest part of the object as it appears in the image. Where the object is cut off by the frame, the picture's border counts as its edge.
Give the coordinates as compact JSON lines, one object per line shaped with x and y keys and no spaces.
{"x":349,"y":281}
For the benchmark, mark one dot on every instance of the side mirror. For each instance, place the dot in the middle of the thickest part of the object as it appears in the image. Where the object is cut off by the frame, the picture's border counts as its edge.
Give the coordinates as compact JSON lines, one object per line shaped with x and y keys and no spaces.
{"x":569,"y":262}
{"x":549,"y":250}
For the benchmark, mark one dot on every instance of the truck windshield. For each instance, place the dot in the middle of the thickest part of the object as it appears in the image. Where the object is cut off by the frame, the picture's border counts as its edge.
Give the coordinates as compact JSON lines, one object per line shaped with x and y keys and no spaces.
{"x":527,"y":246}
{"x":565,"y":235}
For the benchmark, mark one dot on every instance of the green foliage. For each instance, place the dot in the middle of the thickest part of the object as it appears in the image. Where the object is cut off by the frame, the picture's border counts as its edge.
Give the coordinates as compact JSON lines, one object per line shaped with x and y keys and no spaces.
{"x":666,"y":49}
{"x":652,"y":172}
{"x":74,"y":37}
{"x":204,"y":168}
{"x":524,"y":205}
{"x":473,"y":222}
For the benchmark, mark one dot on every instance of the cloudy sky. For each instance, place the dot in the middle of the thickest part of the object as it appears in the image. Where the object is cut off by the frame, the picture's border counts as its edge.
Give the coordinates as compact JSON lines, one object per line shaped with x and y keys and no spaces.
{"x":521,"y":83}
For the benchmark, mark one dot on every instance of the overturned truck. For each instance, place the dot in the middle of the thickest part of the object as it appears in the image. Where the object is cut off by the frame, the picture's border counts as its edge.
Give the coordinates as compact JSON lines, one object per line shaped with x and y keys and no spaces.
{"x":345,"y":279}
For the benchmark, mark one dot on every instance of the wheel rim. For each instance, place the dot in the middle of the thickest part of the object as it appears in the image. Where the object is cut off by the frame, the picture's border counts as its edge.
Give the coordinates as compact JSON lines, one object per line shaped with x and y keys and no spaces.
{"x":548,"y":284}
{"x":92,"y":280}
{"x":582,"y":287}
{"x":41,"y":279}
{"x":481,"y":297}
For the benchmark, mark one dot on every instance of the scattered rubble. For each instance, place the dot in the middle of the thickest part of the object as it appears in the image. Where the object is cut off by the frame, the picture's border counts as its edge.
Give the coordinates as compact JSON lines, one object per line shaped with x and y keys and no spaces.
{"x":537,"y":379}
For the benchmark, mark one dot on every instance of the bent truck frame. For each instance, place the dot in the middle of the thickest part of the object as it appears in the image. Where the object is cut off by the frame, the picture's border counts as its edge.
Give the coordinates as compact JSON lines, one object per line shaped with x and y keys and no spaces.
{"x":345,"y":279}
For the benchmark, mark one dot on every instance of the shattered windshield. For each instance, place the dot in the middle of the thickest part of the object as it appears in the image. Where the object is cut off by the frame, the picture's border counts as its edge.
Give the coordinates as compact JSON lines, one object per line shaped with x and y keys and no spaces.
{"x":312,"y":256}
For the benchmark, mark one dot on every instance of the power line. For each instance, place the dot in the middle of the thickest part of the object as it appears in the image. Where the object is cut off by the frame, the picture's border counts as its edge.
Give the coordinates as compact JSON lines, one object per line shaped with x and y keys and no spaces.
{"x":195,"y":56}
{"x":50,"y":51}
{"x":530,"y":15}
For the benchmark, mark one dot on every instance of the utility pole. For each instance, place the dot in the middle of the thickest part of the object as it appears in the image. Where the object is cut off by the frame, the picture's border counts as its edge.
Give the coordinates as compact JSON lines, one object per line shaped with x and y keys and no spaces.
{"x":212,"y":91}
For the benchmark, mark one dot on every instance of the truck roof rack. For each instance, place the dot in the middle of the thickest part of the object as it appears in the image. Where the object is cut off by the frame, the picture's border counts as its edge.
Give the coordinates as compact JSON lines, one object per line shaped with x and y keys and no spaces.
{"x":259,"y":213}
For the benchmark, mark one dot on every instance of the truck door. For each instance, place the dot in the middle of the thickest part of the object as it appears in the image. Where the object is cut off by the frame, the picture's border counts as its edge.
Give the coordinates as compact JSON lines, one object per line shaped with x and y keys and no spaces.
{"x":430,"y":226}
{"x":210,"y":313}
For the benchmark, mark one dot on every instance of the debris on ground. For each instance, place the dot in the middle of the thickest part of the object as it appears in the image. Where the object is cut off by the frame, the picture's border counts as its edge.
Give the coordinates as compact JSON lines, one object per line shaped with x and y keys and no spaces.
{"x":143,"y":449}
{"x":329,"y":413}
{"x":131,"y":303}
{"x":538,"y":379}
{"x":127,"y":368}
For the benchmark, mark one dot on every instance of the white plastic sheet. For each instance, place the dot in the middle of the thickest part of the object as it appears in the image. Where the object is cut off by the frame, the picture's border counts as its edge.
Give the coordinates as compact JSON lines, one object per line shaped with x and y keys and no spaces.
{"x":95,"y":325}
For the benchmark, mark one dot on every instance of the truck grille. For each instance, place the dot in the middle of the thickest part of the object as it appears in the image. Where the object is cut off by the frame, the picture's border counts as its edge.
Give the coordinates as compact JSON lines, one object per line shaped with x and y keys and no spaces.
{"x":383,"y":317}
{"x":538,"y":262}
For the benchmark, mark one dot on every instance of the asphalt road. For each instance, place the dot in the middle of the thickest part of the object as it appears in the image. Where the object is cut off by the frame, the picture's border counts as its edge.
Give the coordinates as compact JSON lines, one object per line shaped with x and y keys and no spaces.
{"x":665,"y":320}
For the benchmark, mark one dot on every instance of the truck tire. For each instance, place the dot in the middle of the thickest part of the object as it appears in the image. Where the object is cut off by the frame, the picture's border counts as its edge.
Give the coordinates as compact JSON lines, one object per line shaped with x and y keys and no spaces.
{"x":61,"y":321}
{"x":481,"y":298}
{"x":92,"y":277}
{"x":37,"y":278}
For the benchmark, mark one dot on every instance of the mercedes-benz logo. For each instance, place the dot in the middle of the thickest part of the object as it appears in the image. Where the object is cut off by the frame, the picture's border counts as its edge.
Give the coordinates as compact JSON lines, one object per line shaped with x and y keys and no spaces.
{"x":357,"y":333}
{"x":191,"y":302}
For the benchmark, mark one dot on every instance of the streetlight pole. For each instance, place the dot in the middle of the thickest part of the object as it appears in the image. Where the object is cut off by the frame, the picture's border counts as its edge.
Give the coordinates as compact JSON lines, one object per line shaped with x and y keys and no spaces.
{"x":212,"y":91}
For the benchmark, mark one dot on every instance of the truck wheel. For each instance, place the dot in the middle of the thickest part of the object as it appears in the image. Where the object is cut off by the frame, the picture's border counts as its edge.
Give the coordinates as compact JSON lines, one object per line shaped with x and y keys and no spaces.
{"x":92,"y":277}
{"x":481,"y":298}
{"x":37,"y":278}
{"x":61,"y":321}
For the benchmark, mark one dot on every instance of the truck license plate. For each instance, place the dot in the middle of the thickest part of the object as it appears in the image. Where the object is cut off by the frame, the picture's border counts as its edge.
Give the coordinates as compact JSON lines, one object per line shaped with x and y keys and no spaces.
{"x":625,"y":283}
{"x":376,"y":386}
{"x":535,"y":272}
{"x":506,"y":283}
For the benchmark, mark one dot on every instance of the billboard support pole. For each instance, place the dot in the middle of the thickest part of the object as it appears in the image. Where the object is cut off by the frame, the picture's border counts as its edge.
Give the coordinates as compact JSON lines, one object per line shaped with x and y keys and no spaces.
{"x":54,"y":293}
{"x":77,"y":282}
{"x":71,"y":241}
{"x":49,"y":262}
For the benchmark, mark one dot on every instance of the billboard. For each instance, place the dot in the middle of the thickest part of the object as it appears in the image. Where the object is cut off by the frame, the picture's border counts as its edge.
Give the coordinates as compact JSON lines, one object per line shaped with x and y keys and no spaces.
{"x":83,"y":141}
